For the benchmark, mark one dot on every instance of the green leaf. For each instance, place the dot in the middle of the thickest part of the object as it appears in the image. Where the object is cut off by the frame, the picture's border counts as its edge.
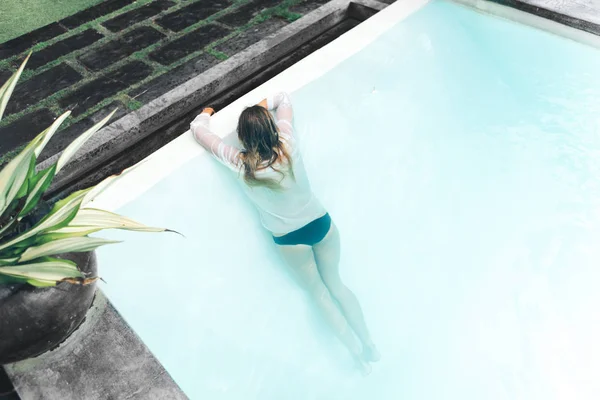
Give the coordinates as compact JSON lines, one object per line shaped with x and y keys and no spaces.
{"x":90,"y":220}
{"x":77,"y":143}
{"x":40,"y":184}
{"x":8,"y":261}
{"x":61,"y":214}
{"x":77,"y":244}
{"x":17,"y":248}
{"x":30,"y":175}
{"x":15,"y":172}
{"x":49,"y":270}
{"x":47,"y":134}
{"x":39,"y":283}
{"x":69,"y":198}
{"x":64,"y":233}
{"x":12,"y":177}
{"x":4,"y":279}
{"x":8,"y":87}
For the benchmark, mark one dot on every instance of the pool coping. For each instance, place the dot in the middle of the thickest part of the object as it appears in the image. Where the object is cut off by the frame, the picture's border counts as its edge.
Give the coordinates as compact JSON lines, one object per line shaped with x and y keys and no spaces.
{"x":556,"y":11}
{"x":107,"y":351}
{"x":131,"y":129}
{"x":134,"y":127}
{"x":130,"y":187}
{"x":545,"y":19}
{"x":173,"y":155}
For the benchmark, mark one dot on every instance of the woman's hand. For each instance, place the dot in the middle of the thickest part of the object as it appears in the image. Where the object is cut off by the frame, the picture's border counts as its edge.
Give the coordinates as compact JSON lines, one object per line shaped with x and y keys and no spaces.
{"x":263,"y":103}
{"x":208,"y":110}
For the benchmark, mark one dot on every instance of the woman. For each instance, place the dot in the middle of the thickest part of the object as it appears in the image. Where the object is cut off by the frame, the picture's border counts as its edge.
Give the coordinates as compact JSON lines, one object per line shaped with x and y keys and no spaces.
{"x":275,"y":180}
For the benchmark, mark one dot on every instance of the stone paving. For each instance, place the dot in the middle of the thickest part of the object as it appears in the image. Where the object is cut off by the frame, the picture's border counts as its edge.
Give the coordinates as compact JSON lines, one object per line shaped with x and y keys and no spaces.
{"x":125,"y":53}
{"x":587,"y":10}
{"x":579,"y":14}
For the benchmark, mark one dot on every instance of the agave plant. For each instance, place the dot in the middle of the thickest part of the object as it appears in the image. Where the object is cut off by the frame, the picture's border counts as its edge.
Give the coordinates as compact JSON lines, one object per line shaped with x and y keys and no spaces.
{"x":28,"y":253}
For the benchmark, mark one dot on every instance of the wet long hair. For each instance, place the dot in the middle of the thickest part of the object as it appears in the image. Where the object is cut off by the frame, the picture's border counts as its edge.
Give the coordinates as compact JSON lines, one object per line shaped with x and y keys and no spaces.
{"x":262,"y":148}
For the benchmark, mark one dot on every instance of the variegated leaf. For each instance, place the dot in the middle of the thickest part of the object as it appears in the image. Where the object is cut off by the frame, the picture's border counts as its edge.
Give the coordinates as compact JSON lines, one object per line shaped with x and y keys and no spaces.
{"x":61,"y":214}
{"x":49,"y":132}
{"x":66,"y":232}
{"x":77,"y":143}
{"x":8,"y":261}
{"x":41,"y":184}
{"x":16,"y":172}
{"x":12,"y":177}
{"x":8,"y":87}
{"x":76,"y":244}
{"x":48,"y":270}
{"x":4,"y":89}
{"x":31,"y":178}
{"x":40,"y":283}
{"x":92,"y":218}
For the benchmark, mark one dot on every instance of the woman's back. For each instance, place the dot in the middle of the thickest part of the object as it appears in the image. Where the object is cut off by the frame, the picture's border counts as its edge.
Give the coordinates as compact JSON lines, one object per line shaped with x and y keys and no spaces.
{"x":290,"y":205}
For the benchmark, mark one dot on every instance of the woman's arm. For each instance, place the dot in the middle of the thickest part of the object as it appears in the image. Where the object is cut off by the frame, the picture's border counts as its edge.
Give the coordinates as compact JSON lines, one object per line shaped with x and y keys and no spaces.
{"x":284,"y":113}
{"x":228,"y":155}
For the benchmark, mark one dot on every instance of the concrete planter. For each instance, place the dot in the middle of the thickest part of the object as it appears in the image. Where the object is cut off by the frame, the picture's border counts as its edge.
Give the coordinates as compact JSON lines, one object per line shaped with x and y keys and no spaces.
{"x":35,"y":320}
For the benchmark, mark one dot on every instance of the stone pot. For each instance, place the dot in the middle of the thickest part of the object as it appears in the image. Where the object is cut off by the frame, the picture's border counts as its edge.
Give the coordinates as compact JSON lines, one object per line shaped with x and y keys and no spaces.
{"x":35,"y":320}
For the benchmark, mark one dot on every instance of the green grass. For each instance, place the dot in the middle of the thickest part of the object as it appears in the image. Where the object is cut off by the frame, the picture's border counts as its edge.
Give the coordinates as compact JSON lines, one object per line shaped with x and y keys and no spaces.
{"x":134,"y":104}
{"x":217,"y":54}
{"x":288,"y":15}
{"x":21,"y":16}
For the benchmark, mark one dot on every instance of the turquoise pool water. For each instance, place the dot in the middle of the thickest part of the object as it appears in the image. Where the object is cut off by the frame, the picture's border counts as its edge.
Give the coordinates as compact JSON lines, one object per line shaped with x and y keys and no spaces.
{"x":460,"y":157}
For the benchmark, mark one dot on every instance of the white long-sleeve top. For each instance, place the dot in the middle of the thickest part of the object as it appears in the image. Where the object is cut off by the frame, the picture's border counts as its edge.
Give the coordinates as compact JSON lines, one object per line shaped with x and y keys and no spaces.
{"x":282,"y":211}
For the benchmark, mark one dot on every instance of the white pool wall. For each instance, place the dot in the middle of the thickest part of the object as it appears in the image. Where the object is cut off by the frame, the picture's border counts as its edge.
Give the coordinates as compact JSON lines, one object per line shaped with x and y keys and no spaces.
{"x":172,"y":156}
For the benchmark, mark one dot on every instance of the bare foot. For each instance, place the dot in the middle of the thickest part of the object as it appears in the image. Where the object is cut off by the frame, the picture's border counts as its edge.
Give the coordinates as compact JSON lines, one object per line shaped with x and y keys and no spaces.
{"x":370,"y":353}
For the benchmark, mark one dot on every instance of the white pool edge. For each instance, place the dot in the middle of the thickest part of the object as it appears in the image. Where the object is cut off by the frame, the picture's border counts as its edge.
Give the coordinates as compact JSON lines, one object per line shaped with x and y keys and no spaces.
{"x":172,"y":156}
{"x":532,"y":20}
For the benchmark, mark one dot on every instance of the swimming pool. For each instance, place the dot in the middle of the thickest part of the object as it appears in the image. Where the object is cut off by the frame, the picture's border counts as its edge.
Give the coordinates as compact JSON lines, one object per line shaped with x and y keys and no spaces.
{"x":458,"y":154}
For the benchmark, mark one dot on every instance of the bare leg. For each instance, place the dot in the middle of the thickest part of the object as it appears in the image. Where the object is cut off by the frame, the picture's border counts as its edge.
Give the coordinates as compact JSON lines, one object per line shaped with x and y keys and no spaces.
{"x":327,"y":256}
{"x":302,"y":261}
